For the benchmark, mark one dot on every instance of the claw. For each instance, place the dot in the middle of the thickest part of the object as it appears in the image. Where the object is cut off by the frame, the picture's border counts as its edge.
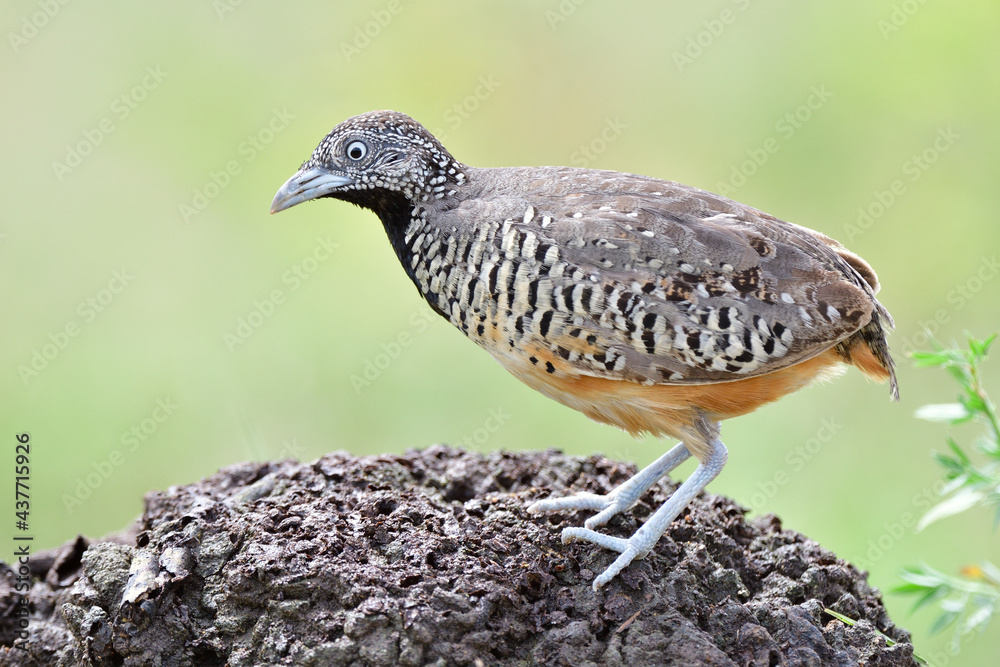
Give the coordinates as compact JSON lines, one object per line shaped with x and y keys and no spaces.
{"x":620,"y":564}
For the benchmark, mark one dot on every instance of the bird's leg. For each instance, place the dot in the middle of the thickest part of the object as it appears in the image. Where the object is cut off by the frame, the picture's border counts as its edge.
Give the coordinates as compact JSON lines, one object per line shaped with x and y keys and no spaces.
{"x":642,"y":542}
{"x":621,"y":497}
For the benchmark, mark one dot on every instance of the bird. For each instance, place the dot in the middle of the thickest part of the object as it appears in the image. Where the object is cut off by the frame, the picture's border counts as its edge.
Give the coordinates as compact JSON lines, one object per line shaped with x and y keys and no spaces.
{"x":646,"y":304}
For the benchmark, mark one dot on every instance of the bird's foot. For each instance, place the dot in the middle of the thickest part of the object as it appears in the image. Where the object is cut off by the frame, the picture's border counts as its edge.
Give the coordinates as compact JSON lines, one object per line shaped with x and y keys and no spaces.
{"x":634,"y":548}
{"x":621,"y":498}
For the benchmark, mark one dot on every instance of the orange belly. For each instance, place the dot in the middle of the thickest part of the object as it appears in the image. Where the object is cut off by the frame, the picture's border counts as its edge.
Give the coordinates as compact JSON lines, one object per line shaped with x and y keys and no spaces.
{"x":663,"y":409}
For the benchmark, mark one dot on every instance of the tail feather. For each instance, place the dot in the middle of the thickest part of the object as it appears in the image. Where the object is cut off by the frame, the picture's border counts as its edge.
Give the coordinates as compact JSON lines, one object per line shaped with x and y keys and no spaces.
{"x":868,"y":349}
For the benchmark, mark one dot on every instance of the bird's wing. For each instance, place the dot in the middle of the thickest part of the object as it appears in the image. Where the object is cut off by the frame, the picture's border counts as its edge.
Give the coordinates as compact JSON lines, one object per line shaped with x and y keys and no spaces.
{"x":634,"y":278}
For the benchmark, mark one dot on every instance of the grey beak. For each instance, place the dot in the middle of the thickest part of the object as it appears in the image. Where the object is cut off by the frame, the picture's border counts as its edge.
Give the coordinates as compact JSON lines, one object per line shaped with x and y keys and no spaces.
{"x":306,"y":184}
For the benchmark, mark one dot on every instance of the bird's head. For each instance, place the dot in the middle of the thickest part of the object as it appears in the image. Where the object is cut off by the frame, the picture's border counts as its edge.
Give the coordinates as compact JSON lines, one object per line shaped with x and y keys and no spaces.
{"x":372,"y":160}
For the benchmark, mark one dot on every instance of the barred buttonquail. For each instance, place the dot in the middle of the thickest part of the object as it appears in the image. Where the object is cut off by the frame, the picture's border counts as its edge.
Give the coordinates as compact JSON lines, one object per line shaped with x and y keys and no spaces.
{"x":646,"y":304}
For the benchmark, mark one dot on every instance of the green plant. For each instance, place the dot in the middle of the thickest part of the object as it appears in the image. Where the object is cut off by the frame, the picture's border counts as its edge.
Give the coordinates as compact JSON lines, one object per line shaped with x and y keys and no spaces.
{"x":972,"y":598}
{"x":847,"y":620}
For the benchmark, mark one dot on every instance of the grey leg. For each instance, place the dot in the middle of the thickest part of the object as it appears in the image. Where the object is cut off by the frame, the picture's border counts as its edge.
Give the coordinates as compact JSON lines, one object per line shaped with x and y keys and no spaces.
{"x":622,"y":497}
{"x":642,"y":542}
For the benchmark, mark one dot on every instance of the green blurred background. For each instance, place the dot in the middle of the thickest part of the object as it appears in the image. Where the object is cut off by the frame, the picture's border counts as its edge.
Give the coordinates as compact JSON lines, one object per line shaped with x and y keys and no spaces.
{"x":121,"y":223}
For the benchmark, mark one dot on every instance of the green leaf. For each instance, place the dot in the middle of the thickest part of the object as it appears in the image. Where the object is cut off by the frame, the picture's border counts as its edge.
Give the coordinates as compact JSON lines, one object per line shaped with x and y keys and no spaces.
{"x":991,"y":573}
{"x":987,"y":446}
{"x":850,"y":622}
{"x":939,"y":358}
{"x":978,"y":618}
{"x":908,"y":588}
{"x":846,"y":620}
{"x":980,"y":349}
{"x":973,"y":403}
{"x":962,"y":500}
{"x":931,"y":595}
{"x":948,"y":413}
{"x":943,"y":621}
{"x":959,"y":452}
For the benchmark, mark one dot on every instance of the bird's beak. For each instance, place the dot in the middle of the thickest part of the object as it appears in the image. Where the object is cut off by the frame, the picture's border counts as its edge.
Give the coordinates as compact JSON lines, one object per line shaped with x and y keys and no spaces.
{"x":307,"y":184}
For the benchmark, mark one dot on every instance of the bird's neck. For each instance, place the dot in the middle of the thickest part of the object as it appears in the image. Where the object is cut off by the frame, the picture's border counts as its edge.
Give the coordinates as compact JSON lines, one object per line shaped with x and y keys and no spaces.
{"x":397,"y":213}
{"x":394,"y":209}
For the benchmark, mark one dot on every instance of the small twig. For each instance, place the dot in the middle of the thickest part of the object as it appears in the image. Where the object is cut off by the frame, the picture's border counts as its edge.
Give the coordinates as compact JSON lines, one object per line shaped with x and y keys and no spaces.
{"x":628,"y":622}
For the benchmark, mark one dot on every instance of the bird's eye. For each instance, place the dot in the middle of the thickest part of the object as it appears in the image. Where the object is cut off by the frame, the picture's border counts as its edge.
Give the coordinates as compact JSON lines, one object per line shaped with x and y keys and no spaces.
{"x":357,"y":150}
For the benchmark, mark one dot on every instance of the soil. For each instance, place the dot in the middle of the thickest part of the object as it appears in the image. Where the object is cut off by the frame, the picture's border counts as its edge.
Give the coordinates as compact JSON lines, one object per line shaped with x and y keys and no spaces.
{"x":430,"y":558}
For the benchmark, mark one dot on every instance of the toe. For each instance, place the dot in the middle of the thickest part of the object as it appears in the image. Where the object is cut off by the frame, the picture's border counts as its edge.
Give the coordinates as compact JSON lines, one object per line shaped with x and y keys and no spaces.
{"x":579,"y":501}
{"x":600,"y":539}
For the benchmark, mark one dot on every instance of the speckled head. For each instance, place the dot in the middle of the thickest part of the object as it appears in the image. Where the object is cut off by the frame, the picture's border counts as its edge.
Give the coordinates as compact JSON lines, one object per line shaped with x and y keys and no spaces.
{"x":370,"y":160}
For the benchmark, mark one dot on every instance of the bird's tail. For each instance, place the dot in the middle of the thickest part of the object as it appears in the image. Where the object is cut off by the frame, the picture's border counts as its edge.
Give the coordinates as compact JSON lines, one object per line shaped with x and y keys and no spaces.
{"x":868,"y":349}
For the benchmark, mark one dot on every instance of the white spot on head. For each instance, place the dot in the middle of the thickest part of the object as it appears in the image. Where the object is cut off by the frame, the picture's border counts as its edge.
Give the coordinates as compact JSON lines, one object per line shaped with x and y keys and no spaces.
{"x":578,"y":215}
{"x":546,"y":221}
{"x":649,"y":233}
{"x":529,"y":214}
{"x":787,"y":298}
{"x":832,"y":312}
